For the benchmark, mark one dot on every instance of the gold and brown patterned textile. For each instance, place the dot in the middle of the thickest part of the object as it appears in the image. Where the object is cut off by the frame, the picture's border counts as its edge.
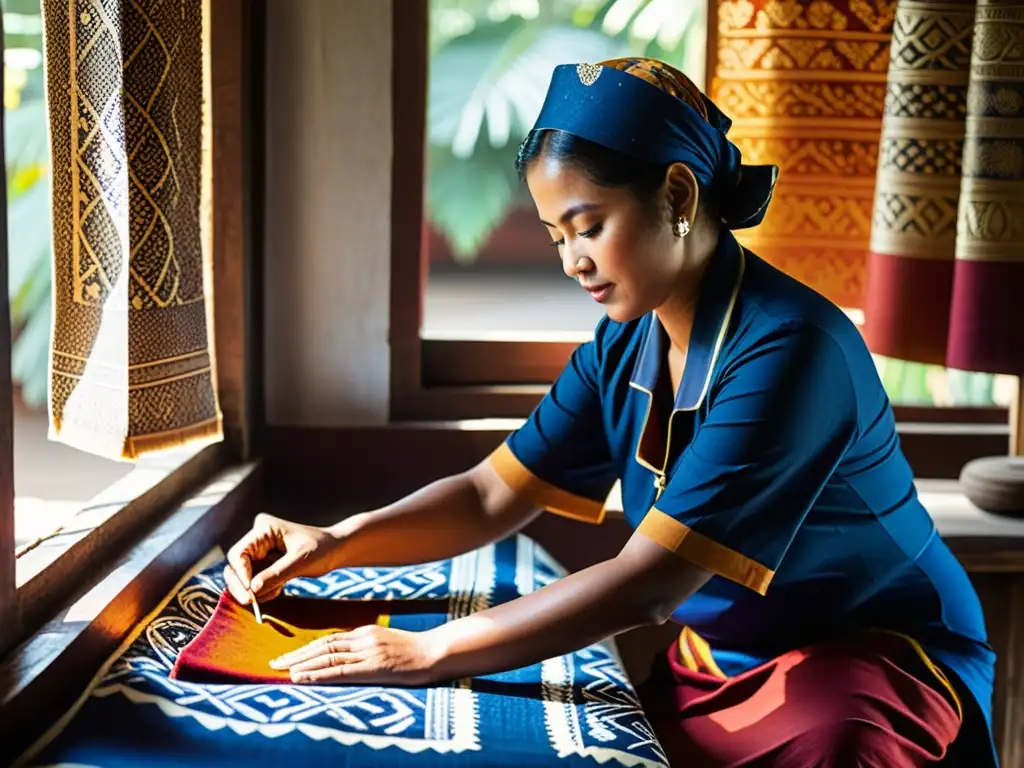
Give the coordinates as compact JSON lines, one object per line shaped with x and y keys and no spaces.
{"x":804,"y":83}
{"x":986,"y":331}
{"x":131,"y":354}
{"x":914,"y":237}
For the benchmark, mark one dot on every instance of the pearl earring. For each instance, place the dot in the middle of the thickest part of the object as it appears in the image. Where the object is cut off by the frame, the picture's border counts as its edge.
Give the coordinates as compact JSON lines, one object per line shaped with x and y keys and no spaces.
{"x":681,"y":227}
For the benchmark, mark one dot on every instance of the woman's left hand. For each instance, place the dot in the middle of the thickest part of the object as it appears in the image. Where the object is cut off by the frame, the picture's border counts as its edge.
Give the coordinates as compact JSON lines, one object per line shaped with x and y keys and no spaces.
{"x":369,"y":654}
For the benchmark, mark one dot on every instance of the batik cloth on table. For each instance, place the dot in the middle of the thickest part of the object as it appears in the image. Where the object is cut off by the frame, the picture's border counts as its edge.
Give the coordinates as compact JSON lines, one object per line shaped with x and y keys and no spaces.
{"x":804,"y":84}
{"x":573,"y":710}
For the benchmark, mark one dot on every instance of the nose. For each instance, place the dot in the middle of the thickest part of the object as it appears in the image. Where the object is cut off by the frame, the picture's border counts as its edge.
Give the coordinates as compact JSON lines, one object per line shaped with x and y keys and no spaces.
{"x":575,"y":264}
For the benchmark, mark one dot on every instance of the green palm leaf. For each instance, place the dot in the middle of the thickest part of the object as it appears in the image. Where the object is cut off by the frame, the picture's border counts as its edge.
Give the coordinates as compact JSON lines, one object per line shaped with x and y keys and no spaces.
{"x":496,"y":76}
{"x":487,"y":85}
{"x":468,"y":198}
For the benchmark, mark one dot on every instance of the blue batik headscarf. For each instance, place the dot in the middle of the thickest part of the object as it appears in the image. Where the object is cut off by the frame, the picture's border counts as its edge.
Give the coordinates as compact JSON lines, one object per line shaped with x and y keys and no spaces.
{"x":649,"y":110}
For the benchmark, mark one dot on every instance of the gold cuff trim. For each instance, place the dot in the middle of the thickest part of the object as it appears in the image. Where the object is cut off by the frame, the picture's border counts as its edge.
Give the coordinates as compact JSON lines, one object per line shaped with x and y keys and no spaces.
{"x":552,"y":498}
{"x":704,"y":552}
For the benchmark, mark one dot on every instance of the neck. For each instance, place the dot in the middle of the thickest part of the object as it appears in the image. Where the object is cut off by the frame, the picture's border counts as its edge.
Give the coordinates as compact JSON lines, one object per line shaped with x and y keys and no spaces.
{"x":677,"y":312}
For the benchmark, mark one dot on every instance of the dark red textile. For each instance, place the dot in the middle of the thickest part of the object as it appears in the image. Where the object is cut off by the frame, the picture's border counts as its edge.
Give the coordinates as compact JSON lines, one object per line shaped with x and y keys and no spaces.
{"x":869,"y":701}
{"x":987,"y":317}
{"x":906,"y":307}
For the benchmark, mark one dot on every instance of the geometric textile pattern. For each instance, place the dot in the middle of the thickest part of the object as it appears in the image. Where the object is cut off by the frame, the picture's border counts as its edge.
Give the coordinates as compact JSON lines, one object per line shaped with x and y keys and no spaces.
{"x":804,"y":84}
{"x":987,"y":311}
{"x":913,"y":235}
{"x":575,"y":710}
{"x":131,"y":367}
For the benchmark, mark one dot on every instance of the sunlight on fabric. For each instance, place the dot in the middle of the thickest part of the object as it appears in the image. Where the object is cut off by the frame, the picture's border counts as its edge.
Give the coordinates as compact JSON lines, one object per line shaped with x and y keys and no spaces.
{"x":91,"y":420}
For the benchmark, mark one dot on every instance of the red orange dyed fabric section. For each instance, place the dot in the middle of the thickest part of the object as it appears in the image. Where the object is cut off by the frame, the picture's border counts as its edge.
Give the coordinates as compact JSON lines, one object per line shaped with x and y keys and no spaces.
{"x":234,"y":648}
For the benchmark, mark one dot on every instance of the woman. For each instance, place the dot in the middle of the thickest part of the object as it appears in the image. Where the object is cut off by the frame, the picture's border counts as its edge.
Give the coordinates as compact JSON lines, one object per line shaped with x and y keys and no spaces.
{"x":774,"y":516}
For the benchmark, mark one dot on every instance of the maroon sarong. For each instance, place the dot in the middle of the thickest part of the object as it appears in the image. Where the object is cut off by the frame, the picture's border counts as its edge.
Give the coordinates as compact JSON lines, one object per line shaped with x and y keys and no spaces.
{"x":873,"y":700}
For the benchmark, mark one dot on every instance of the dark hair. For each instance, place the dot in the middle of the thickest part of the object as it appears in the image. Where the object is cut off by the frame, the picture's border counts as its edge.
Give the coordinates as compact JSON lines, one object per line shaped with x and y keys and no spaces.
{"x":603,"y":166}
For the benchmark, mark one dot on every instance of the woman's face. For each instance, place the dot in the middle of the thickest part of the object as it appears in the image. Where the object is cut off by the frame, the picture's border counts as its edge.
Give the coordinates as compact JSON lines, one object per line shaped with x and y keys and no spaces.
{"x":621,"y":250}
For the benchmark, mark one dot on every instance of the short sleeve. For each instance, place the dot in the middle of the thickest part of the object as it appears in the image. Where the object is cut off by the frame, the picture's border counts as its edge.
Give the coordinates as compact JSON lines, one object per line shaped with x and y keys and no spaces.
{"x":560,"y":458}
{"x":778,"y":424}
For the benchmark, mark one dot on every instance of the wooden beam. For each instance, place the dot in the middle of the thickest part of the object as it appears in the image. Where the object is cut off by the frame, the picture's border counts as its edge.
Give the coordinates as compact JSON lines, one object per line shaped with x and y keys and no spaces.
{"x":10,"y":620}
{"x":231,"y":36}
{"x":409,"y":267}
{"x":106,"y":528}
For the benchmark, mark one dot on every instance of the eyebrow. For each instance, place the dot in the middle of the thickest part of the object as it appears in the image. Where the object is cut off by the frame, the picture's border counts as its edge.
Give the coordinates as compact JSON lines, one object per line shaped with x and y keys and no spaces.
{"x":572,"y":212}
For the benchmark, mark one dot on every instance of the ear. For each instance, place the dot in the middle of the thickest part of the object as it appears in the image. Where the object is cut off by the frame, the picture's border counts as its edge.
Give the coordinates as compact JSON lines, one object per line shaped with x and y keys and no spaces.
{"x":682,"y":191}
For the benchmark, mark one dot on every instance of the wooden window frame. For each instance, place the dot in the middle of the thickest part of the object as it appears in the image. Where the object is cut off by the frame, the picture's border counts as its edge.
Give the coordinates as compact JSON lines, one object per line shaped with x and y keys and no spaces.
{"x":10,"y":619}
{"x":448,"y":380}
{"x":190,"y":495}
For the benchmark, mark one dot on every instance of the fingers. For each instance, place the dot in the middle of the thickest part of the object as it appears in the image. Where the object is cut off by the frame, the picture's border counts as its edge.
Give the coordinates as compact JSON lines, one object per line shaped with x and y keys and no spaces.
{"x":330,"y":644}
{"x":235,"y":588}
{"x":259,"y":542}
{"x":271,"y":594}
{"x":241,"y":555}
{"x":269,"y":582}
{"x":354,"y":673}
{"x":325,"y":661}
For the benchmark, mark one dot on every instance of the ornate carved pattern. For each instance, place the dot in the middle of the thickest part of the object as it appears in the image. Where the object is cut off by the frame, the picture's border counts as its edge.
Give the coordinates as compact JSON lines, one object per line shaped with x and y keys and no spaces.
{"x":805,"y":85}
{"x":779,"y":98}
{"x":811,"y":157}
{"x":786,"y":53}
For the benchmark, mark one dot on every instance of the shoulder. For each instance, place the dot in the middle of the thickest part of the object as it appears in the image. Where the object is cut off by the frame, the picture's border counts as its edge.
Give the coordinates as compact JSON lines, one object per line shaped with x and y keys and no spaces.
{"x":773,"y":307}
{"x":787,"y":337}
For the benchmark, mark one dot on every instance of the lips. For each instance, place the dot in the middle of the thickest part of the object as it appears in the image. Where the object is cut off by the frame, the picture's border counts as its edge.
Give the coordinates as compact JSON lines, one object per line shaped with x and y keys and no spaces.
{"x":599,"y":292}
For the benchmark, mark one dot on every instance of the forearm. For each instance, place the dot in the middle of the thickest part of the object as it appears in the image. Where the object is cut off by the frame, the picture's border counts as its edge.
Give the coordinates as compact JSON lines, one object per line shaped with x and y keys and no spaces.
{"x":608,"y":598}
{"x":441,"y":520}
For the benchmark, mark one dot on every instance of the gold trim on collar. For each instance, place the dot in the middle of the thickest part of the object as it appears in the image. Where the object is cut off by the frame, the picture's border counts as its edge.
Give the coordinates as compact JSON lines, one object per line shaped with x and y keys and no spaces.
{"x":660,"y":479}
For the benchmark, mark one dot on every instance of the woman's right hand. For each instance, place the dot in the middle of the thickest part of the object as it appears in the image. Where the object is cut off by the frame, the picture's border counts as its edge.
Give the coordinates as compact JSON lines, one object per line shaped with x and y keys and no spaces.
{"x":273,"y":552}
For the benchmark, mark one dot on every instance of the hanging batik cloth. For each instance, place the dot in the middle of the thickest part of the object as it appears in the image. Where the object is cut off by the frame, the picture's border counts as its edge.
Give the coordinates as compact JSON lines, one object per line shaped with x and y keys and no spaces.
{"x":131,"y":368}
{"x":914,"y":237}
{"x":987,"y":308}
{"x":804,"y":83}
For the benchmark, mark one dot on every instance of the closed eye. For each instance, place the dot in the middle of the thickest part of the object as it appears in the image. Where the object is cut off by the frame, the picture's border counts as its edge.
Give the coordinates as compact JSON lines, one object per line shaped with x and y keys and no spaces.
{"x":594,"y":230}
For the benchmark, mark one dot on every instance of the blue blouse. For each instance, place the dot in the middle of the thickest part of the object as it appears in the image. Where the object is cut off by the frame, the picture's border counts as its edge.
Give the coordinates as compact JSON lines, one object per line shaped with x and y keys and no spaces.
{"x":776,"y":466}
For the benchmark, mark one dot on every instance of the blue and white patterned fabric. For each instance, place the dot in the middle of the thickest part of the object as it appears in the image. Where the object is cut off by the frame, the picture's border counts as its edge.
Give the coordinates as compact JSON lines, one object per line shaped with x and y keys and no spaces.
{"x":574,"y":710}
